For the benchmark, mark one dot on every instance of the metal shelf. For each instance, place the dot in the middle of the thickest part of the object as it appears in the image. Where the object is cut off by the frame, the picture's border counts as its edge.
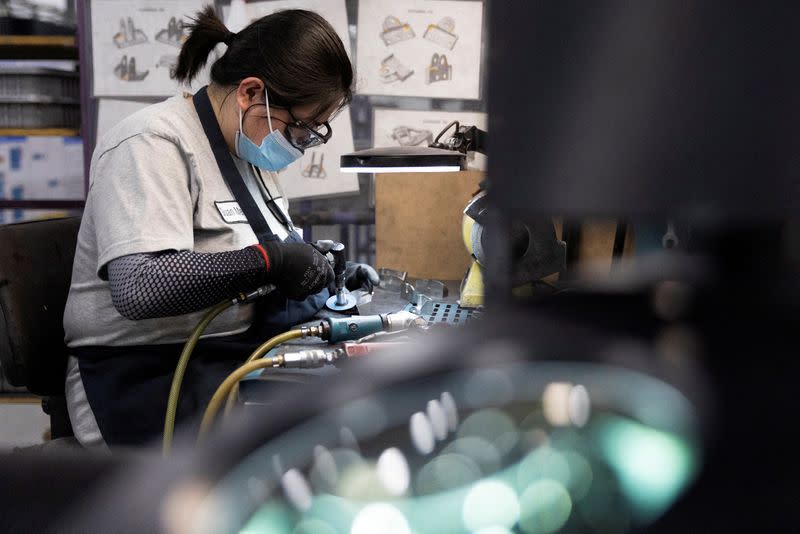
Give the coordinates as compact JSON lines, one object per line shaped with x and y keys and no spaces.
{"x":41,"y":204}
{"x":25,"y":132}
{"x":38,"y":47}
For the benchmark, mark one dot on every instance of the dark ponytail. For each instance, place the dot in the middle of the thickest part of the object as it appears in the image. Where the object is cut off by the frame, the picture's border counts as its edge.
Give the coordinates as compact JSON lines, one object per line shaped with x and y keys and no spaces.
{"x":206,"y":31}
{"x":296,"y":53}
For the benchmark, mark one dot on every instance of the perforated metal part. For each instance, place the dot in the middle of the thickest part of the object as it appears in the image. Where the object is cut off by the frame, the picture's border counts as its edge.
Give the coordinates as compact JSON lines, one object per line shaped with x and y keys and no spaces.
{"x":443,"y":312}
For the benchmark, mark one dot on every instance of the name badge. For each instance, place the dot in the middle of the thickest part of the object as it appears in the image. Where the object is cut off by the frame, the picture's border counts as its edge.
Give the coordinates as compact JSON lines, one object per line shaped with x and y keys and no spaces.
{"x":231,"y":212}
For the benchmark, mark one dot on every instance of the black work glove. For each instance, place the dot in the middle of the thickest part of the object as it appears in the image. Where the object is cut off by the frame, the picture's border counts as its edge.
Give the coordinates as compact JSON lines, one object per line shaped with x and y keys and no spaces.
{"x":298,"y":269}
{"x":360,"y":276}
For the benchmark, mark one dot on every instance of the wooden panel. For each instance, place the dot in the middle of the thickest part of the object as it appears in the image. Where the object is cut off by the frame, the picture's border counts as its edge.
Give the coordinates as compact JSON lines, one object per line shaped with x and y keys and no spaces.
{"x":37,"y":40}
{"x":418,"y":222}
{"x":38,"y":47}
{"x":51,"y":132}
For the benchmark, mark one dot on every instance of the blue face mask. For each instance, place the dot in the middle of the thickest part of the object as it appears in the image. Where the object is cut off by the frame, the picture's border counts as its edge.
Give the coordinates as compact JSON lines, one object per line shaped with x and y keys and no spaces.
{"x":275,"y":152}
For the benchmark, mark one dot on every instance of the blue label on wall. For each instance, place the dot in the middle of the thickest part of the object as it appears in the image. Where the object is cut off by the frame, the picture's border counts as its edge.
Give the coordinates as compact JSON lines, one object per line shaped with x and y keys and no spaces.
{"x":17,"y":193}
{"x":16,"y":158}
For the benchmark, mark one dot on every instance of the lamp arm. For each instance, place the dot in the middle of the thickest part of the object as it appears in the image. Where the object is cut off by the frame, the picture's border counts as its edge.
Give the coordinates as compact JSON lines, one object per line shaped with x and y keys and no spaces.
{"x":465,"y":139}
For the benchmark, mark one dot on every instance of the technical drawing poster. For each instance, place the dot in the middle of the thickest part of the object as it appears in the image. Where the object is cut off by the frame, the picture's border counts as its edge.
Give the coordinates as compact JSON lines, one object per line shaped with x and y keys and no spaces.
{"x":420,"y":48}
{"x":400,"y":127}
{"x":135,"y":45}
{"x":316,"y":174}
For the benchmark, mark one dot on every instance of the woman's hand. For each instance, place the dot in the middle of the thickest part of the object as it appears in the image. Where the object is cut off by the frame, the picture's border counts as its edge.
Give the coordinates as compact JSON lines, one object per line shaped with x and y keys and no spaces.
{"x":298,"y":269}
{"x":360,"y":276}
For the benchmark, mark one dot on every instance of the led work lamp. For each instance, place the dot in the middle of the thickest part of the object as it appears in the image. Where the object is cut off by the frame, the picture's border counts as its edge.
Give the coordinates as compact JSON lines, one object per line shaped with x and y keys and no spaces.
{"x":448,"y":156}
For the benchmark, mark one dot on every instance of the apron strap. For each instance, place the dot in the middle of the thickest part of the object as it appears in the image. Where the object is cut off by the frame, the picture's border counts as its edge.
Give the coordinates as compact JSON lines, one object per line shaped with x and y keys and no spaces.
{"x":228,"y":168}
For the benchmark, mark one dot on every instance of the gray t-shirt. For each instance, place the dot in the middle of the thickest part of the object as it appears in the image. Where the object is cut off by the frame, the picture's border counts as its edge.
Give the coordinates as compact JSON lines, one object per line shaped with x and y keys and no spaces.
{"x":155,"y":185}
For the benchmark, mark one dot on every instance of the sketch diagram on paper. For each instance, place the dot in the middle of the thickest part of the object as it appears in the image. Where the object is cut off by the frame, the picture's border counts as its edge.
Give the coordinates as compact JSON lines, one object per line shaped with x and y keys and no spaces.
{"x":168,"y":61}
{"x":407,"y":136}
{"x":395,"y":31}
{"x":392,"y":70}
{"x":439,"y":70}
{"x":314,"y":169}
{"x":173,"y":34}
{"x":126,"y":70}
{"x":128,"y":34}
{"x":442,"y":33}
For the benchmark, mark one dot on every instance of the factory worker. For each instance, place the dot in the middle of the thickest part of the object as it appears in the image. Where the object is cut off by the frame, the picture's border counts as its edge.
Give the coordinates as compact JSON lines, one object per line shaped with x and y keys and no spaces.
{"x":185,"y":210}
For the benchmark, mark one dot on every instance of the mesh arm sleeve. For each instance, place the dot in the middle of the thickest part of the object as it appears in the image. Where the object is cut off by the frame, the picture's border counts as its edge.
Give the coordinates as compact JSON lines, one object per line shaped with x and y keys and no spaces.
{"x":146,"y":286}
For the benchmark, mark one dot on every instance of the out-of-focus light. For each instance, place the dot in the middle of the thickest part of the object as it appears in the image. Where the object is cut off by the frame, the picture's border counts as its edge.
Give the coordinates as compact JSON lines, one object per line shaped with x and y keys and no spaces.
{"x":380,"y":518}
{"x":272,"y":518}
{"x":360,"y":482}
{"x":545,"y":506}
{"x":579,"y":405}
{"x":483,"y":453}
{"x":257,"y":489}
{"x":555,"y":403}
{"x":334,"y":511}
{"x":179,"y":510}
{"x":323,"y":473}
{"x":493,"y":530}
{"x":445,"y":472}
{"x":313,"y":526}
{"x":348,"y":439}
{"x":296,"y":489}
{"x":494,"y":426}
{"x":580,"y":475}
{"x":393,"y":471}
{"x":421,"y":431}
{"x":450,"y":410}
{"x":490,"y":503}
{"x":364,"y":417}
{"x":488,"y":387}
{"x":543,"y":463}
{"x":438,"y":419}
{"x":652,"y":466}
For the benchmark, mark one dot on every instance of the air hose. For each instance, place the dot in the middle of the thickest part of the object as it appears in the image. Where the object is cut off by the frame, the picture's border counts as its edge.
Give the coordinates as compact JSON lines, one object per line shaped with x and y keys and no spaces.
{"x":186,"y":354}
{"x":264,"y":348}
{"x":225,"y":388}
{"x":308,"y":359}
{"x":180,"y":370}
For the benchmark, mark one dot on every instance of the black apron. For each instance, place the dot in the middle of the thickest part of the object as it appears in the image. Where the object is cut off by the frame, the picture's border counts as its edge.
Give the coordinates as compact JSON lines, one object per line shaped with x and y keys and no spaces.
{"x":127,"y":387}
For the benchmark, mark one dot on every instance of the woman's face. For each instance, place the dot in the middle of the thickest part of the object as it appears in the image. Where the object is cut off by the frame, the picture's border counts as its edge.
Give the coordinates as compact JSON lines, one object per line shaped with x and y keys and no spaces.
{"x":255,"y":125}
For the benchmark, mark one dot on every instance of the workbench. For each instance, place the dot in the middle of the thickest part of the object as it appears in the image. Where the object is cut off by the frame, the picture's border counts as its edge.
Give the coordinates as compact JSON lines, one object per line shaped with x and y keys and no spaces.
{"x":260,"y":385}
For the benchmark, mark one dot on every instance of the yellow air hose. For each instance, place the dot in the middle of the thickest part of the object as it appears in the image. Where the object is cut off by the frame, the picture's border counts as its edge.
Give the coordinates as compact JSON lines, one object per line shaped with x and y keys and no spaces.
{"x":259,"y":352}
{"x":180,"y":370}
{"x":225,"y":388}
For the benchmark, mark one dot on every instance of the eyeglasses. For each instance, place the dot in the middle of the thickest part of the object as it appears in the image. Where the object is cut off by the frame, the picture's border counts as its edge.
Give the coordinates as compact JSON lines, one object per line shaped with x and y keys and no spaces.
{"x":302,"y":136}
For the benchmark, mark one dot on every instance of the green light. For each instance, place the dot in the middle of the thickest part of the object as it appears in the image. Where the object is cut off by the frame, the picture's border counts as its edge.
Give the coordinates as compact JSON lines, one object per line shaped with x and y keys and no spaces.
{"x":446,"y":471}
{"x":380,"y":517}
{"x":313,"y":526}
{"x":652,"y":466}
{"x":272,"y":518}
{"x":336,"y":512}
{"x":545,"y":506}
{"x":493,"y":530}
{"x":544,"y":462}
{"x":494,"y":426}
{"x":490,"y":504}
{"x":479,"y":450}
